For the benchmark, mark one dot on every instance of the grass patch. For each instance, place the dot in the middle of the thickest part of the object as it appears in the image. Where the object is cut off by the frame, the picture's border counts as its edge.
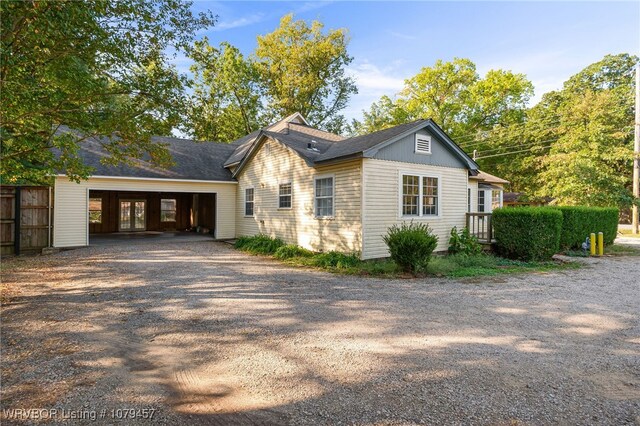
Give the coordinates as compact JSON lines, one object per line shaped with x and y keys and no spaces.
{"x":621,"y":250}
{"x":259,"y":244}
{"x":459,"y":266}
{"x":451,"y":266}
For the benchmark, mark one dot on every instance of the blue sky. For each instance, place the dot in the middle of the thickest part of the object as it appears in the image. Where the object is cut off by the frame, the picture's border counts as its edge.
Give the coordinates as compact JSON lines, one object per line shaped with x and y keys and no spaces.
{"x":392,"y":41}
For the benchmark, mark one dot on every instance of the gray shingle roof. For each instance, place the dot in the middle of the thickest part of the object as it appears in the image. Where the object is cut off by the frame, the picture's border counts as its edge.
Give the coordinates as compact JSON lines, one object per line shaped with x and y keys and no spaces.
{"x":241,"y":146}
{"x":359,"y":144}
{"x":299,"y":142}
{"x":193,"y":160}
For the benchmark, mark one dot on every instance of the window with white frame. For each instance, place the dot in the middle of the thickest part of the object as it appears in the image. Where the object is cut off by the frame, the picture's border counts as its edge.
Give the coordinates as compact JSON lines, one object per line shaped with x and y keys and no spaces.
{"x":481,"y":201}
{"x":324,"y":197}
{"x":248,"y":201}
{"x":496,"y":199}
{"x":420,"y":195}
{"x":423,"y":144}
{"x":284,"y":195}
{"x":429,"y":196}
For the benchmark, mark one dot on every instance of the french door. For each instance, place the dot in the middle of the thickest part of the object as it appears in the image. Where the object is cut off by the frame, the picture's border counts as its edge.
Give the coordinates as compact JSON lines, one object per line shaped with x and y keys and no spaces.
{"x":133,"y":215}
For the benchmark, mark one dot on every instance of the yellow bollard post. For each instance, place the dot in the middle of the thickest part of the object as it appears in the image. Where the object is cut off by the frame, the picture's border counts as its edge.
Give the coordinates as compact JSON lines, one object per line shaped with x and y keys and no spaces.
{"x":593,"y":244}
{"x":600,"y":243}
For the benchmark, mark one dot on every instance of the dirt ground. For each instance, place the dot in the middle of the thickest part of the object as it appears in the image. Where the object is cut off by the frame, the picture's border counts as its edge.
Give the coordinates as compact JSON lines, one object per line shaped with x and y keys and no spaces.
{"x":197,"y":333}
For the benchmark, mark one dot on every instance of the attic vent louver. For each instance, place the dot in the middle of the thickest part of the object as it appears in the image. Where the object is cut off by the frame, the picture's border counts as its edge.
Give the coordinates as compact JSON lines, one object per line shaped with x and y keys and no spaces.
{"x":423,"y":144}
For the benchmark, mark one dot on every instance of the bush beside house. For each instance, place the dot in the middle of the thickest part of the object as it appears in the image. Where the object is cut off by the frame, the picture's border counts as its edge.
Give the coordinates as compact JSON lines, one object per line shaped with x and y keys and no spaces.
{"x":462,"y":242}
{"x":580,"y":221}
{"x":411,"y":245}
{"x":527,"y":233}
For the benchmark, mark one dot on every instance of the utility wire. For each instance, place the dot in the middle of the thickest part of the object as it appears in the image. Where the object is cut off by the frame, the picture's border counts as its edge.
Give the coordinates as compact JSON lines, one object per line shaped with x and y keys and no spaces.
{"x":470,"y":137}
{"x":535,"y":127}
{"x":508,"y":147}
{"x":513,"y":138}
{"x":513,"y":152}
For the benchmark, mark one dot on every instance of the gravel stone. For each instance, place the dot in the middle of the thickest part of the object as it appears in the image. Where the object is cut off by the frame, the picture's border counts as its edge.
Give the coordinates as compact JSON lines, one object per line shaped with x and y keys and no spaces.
{"x":204,"y":334}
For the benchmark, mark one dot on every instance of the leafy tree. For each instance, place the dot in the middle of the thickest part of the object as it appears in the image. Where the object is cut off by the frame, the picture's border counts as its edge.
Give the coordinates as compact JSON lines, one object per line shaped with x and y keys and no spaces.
{"x":302,"y":70}
{"x":576,"y":142}
{"x":591,"y":161}
{"x":456,"y":97}
{"x":227,"y":102}
{"x":95,"y":66}
{"x":296,"y":68}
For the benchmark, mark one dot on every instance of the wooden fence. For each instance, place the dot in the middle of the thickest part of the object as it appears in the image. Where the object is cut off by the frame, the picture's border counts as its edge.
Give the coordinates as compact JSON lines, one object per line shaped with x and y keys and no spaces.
{"x":25,"y":216}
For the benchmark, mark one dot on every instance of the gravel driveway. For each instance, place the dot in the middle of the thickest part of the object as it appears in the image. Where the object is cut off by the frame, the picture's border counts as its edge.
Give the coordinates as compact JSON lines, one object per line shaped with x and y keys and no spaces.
{"x":201,"y":334}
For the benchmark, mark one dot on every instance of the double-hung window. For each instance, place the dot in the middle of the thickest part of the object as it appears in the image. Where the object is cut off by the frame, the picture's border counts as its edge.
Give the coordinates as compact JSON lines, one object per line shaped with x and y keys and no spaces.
{"x":324,"y":197}
{"x":284,"y":195}
{"x":420,"y":195}
{"x":481,"y":201}
{"x":248,"y":201}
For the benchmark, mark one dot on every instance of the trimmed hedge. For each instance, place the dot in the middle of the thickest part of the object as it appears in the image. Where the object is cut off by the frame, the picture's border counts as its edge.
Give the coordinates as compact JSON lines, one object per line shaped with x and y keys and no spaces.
{"x":580,"y":221}
{"x":527,"y":233}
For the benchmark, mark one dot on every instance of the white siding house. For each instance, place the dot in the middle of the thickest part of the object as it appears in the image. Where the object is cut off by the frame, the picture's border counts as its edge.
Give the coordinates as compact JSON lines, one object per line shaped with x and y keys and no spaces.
{"x":289,"y":180}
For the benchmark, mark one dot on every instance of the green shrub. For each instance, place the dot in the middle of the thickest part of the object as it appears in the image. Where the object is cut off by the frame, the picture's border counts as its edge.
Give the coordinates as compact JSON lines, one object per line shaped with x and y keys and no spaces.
{"x":580,"y":221}
{"x":259,"y":244}
{"x":410,"y":245}
{"x":334,"y":259}
{"x":462,"y":242}
{"x":527,"y":233}
{"x":291,"y":250}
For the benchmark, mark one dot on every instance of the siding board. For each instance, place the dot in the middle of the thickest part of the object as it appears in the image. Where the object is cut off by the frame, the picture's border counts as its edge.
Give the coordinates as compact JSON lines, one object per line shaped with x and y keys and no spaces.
{"x":382,"y":202}
{"x":274,"y":164}
{"x":71,"y":210}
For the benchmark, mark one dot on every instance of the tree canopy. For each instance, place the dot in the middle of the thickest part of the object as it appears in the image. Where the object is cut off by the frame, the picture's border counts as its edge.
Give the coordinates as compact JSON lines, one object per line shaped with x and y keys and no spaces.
{"x":455,"y":96}
{"x":575,"y":145}
{"x":296,"y":68}
{"x":95,"y":66}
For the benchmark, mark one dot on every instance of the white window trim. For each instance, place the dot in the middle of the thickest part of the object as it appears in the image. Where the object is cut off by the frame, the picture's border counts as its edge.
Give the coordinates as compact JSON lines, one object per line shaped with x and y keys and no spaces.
{"x":420,"y":216}
{"x":487,"y":208}
{"x":415,"y":144}
{"x":244,"y":205}
{"x":333,"y":182}
{"x":285,"y":182}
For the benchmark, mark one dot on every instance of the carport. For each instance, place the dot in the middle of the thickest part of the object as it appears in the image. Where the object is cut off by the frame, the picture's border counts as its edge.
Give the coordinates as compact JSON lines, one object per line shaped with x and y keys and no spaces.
{"x":140,"y":212}
{"x":197,"y":195}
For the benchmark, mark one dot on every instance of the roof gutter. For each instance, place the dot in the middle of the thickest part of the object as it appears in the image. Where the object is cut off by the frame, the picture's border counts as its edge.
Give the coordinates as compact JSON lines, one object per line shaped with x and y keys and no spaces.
{"x":156,"y":179}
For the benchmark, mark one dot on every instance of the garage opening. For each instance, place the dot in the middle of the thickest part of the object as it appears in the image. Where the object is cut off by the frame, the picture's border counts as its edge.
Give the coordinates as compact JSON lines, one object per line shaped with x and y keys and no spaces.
{"x":130,"y":214}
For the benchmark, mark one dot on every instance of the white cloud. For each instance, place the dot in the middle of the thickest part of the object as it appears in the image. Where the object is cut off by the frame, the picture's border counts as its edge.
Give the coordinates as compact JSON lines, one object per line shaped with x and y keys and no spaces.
{"x":546,"y":70}
{"x":401,"y":36}
{"x":373,"y":82}
{"x":240,"y":22}
{"x":309,"y":6}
